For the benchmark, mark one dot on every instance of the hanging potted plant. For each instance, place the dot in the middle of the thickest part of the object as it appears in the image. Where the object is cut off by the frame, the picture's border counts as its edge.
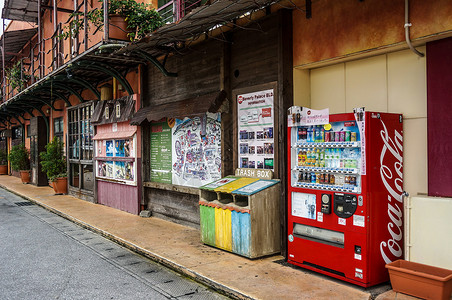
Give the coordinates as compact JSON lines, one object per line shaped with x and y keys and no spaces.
{"x":128,"y":20}
{"x":53,"y":162}
{"x":3,"y":162}
{"x":19,"y":157}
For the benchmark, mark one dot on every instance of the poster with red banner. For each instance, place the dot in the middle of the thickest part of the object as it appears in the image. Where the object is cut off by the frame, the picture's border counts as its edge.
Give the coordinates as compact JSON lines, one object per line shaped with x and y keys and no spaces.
{"x":255,"y":129}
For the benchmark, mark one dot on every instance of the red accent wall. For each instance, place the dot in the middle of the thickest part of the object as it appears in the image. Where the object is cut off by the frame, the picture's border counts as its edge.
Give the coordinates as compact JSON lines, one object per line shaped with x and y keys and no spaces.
{"x":439,"y":117}
{"x":120,"y":196}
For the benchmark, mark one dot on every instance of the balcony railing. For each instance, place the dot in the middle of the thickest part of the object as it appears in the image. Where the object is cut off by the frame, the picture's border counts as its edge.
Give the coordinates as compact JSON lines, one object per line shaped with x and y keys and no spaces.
{"x":51,"y":52}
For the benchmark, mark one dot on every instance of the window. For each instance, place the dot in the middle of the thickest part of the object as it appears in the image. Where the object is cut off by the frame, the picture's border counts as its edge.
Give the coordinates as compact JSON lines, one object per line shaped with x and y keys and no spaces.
{"x":116,"y":159}
{"x":58,"y":128}
{"x":80,"y":145}
{"x":17,"y":133}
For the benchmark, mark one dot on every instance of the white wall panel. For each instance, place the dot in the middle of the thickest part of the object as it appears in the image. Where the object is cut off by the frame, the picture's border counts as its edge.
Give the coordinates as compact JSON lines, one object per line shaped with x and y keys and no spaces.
{"x":415,"y":155}
{"x":366,"y":85}
{"x":407,"y":83}
{"x":428,"y":232}
{"x":328,"y":88}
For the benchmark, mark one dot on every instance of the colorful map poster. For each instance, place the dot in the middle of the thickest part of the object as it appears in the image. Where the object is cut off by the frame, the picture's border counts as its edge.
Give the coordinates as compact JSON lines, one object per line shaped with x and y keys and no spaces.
{"x":161,"y":158}
{"x":256,"y":128}
{"x":197,"y":150}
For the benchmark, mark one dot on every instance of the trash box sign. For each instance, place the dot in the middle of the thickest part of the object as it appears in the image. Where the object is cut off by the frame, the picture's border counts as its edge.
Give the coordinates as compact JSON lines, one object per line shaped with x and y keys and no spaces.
{"x":255,"y":130}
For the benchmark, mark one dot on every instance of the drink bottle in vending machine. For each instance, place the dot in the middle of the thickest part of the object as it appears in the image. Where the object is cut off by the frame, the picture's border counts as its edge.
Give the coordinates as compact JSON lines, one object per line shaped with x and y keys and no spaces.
{"x":345,"y":194}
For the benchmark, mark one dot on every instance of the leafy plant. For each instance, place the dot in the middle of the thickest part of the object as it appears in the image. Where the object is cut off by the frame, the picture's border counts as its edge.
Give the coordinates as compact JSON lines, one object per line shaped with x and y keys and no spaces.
{"x":53,"y":161}
{"x":17,"y":77}
{"x":19,"y":158}
{"x":3,"y":157}
{"x":141,"y":18}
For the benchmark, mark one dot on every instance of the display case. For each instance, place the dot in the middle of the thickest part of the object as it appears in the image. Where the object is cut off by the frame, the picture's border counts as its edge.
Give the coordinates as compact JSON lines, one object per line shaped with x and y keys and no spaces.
{"x":116,"y":159}
{"x":326,"y":157}
{"x":241,"y":215}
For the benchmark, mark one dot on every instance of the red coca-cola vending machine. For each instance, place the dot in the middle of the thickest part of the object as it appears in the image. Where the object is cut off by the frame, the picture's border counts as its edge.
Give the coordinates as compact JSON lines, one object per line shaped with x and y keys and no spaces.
{"x":345,"y":193}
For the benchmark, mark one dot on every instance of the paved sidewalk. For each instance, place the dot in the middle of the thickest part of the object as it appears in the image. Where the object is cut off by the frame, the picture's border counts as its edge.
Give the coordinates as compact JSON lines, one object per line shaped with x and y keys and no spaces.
{"x":179,"y":248}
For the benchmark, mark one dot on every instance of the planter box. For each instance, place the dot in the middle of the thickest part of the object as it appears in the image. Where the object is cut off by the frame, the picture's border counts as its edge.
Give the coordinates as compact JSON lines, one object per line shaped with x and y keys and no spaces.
{"x":420,"y":280}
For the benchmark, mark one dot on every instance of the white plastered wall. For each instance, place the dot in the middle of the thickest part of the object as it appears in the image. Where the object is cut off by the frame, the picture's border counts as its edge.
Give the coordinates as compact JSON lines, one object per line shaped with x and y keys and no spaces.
{"x":393,"y":82}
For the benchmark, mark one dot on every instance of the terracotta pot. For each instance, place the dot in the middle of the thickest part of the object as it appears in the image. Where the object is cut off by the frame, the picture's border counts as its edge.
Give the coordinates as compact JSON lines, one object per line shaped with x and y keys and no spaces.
{"x":60,"y":185}
{"x":420,"y":280}
{"x":25,"y":176}
{"x":3,"y":169}
{"x":118,"y":28}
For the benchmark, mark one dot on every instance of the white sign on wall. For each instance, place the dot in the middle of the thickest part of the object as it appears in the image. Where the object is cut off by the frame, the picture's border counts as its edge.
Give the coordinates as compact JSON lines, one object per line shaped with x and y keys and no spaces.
{"x":256,"y":130}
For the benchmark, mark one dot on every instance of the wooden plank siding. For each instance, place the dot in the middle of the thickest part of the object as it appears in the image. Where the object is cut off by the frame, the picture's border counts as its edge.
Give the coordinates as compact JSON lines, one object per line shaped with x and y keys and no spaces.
{"x":249,"y":57}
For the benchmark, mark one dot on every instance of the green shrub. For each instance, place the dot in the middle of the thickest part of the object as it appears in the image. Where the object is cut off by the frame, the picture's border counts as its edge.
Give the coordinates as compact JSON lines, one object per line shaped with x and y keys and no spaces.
{"x":53,"y":161}
{"x":19,"y":158}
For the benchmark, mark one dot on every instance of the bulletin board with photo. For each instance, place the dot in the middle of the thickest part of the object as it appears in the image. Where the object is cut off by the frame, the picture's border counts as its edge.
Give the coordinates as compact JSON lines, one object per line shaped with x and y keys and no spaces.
{"x":255,"y":128}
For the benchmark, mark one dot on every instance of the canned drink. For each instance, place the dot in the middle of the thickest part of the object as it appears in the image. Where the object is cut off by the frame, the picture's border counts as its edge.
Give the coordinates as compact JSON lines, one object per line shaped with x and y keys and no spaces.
{"x":332,"y":136}
{"x":313,"y":177}
{"x":353,"y":180}
{"x":347,"y":136}
{"x":353,"y":137}
{"x":327,"y":136}
{"x":337,"y":138}
{"x":341,"y":136}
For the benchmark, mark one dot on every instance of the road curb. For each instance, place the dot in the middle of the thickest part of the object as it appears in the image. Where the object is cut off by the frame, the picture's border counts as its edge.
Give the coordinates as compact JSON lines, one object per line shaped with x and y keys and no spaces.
{"x":225,"y":290}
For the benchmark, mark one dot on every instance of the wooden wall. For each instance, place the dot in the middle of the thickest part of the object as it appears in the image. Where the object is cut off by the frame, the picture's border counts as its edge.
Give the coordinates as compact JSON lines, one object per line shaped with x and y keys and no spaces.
{"x":246,"y":58}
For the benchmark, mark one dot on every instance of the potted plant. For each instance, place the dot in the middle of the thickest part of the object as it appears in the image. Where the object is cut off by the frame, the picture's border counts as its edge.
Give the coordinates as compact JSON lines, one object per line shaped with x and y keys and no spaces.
{"x":53,"y":162}
{"x":17,"y":77}
{"x":19,"y":158}
{"x":128,"y":20}
{"x":3,"y":162}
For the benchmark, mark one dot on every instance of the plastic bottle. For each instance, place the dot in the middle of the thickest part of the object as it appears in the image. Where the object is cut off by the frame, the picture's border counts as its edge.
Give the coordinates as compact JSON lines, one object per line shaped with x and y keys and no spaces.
{"x":309,"y":138}
{"x":328,"y":158}
{"x":322,"y":134}
{"x":317,"y":157}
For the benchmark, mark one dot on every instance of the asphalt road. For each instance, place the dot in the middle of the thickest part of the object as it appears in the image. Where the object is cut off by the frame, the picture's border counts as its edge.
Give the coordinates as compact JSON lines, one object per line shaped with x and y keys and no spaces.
{"x":44,"y":256}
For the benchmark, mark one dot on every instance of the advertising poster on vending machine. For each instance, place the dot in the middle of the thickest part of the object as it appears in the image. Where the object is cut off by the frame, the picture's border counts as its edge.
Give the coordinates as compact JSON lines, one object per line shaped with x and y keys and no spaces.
{"x":256,"y":128}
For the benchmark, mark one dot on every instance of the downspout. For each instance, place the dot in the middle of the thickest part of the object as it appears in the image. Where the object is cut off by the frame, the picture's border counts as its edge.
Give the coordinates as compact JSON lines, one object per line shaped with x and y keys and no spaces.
{"x":407,"y":30}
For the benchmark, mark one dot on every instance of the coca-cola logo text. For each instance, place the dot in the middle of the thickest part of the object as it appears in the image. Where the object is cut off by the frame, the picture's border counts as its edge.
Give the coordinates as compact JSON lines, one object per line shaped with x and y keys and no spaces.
{"x":391,"y":164}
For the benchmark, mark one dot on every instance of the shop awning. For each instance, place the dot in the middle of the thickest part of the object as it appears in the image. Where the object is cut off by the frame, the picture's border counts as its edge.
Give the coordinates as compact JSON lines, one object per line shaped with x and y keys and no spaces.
{"x":215,"y":102}
{"x":115,"y":135}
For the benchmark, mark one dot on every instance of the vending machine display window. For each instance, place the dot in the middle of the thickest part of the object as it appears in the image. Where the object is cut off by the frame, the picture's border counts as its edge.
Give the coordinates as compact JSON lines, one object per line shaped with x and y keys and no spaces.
{"x":327,"y":157}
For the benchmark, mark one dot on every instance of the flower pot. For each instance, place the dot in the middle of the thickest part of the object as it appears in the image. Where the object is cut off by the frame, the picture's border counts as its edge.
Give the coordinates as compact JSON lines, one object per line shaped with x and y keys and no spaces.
{"x":60,"y":185}
{"x":3,"y":169}
{"x":420,"y":280}
{"x":25,"y":176}
{"x":117,"y":28}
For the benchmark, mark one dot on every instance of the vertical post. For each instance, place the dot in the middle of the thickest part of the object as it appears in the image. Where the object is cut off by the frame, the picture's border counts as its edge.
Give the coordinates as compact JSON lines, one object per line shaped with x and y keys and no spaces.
{"x":55,"y":47}
{"x":41,"y":70}
{"x":32,"y":61}
{"x":85,"y":24}
{"x":3,"y":63}
{"x":74,"y":49}
{"x":106,"y":29}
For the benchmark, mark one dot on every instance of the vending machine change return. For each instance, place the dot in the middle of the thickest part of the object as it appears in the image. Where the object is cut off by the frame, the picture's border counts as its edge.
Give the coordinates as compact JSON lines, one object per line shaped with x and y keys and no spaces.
{"x":345,"y":193}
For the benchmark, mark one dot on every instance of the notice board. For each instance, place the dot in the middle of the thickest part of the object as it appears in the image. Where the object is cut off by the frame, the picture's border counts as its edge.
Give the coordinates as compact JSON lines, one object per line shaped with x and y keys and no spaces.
{"x":188,"y":152}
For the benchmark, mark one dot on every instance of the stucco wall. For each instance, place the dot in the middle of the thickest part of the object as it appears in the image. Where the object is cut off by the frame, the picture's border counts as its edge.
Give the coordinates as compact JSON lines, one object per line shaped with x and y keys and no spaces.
{"x":348,"y":28}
